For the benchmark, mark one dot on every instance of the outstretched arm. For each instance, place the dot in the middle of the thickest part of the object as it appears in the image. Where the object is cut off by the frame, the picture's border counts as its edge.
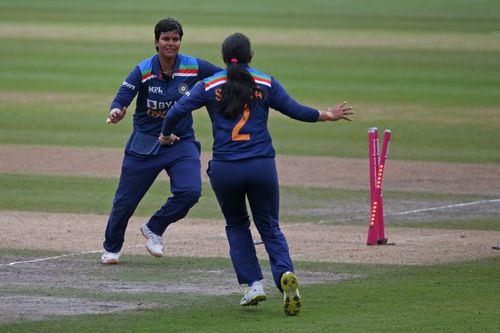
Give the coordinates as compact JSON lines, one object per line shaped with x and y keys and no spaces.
{"x":194,"y":99}
{"x":281,"y":101}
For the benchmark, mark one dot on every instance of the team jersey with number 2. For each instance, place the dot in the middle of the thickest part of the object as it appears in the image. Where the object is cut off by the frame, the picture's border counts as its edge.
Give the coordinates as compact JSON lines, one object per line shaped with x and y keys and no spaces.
{"x":247,"y":136}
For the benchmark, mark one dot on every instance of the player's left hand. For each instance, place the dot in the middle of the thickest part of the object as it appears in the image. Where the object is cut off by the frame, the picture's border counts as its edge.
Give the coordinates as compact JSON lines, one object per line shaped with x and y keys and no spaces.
{"x":168,"y":140}
{"x":341,"y":111}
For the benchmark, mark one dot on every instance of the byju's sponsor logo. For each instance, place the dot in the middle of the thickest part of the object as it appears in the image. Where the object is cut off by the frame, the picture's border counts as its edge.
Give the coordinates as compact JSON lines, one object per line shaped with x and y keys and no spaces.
{"x":155,"y":90}
{"x":152,"y":104}
{"x":128,"y":85}
{"x":157,"y":105}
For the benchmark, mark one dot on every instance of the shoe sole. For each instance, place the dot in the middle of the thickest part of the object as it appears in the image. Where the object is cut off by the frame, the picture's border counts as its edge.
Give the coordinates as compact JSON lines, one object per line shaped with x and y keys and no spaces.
{"x":154,"y":254}
{"x":110,"y":262}
{"x":291,"y":298}
{"x":254,"y":301}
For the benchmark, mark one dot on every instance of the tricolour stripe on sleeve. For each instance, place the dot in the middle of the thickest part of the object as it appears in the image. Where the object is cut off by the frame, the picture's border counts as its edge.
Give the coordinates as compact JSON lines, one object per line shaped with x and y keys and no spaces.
{"x":146,"y":68}
{"x":260,"y":77}
{"x":221,"y":78}
{"x":188,"y":66}
{"x":215,"y":80}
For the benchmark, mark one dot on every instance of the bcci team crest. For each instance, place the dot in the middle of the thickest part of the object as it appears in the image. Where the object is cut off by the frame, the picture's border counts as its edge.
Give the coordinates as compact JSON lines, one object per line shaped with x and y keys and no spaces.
{"x":183,"y":88}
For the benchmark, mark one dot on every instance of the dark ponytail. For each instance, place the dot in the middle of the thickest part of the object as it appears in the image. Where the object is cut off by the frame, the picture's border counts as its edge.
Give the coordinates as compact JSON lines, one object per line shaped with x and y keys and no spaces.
{"x":240,"y":85}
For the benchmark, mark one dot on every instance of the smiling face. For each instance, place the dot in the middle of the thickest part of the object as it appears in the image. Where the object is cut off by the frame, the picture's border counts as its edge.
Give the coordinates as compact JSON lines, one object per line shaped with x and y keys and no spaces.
{"x":168,"y":44}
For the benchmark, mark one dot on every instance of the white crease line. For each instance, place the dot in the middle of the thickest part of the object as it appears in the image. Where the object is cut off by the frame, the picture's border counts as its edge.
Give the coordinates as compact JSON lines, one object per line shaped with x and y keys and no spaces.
{"x":59,"y":257}
{"x":49,"y":258}
{"x":463,"y":204}
{"x":445,"y":207}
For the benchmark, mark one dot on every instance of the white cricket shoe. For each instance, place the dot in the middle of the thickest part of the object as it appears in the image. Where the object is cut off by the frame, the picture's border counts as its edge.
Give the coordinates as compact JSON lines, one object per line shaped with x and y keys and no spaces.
{"x":155,"y":243}
{"x":254,"y":294}
{"x":291,"y":297}
{"x":110,"y":258}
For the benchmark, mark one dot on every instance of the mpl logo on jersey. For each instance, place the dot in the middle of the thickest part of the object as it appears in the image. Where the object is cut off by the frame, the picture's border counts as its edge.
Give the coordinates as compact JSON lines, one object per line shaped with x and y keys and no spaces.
{"x":155,"y":90}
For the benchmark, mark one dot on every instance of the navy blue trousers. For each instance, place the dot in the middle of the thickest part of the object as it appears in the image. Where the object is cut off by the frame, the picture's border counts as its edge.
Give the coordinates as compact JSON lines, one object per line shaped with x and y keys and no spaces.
{"x":182,"y":164}
{"x":254,"y":179}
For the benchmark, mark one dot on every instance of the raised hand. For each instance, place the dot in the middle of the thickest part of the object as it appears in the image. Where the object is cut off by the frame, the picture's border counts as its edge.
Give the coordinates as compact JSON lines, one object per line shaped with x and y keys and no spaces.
{"x":341,"y":111}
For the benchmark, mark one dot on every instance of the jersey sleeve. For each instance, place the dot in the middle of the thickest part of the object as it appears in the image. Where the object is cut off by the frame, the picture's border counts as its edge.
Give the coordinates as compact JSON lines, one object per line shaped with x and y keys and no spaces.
{"x":128,"y":90}
{"x":206,"y":68}
{"x":192,"y":100}
{"x":284,"y":103}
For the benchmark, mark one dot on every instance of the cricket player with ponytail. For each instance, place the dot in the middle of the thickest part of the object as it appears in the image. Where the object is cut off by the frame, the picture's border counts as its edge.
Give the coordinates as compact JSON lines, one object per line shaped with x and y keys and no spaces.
{"x":243,"y":166}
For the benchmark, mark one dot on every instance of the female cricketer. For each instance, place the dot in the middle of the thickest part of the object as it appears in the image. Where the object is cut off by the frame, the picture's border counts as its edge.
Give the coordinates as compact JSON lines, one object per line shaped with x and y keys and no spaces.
{"x":243,"y":167}
{"x":158,"y":81}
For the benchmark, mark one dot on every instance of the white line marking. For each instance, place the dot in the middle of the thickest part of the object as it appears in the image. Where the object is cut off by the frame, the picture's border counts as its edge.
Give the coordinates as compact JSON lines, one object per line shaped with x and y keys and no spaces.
{"x":59,"y":257}
{"x":49,"y":258}
{"x":463,"y":204}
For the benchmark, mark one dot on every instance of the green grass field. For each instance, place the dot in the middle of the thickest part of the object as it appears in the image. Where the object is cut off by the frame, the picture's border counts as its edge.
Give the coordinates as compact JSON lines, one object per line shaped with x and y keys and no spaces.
{"x":428,"y":70}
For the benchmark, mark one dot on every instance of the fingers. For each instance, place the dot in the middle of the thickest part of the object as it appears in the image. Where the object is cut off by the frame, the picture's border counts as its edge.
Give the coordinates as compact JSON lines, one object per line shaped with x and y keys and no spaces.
{"x":346,"y":111}
{"x":168,"y":139}
{"x":116,"y":115}
{"x":341,"y":111}
{"x":112,"y":116}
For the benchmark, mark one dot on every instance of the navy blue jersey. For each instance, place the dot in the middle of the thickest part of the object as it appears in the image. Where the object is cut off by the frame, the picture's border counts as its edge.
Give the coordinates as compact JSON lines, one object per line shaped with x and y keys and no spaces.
{"x":248,"y":135}
{"x":156,"y":94}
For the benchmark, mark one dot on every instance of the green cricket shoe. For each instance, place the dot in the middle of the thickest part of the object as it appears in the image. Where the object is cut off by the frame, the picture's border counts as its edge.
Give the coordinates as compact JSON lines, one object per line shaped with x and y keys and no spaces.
{"x":291,"y":297}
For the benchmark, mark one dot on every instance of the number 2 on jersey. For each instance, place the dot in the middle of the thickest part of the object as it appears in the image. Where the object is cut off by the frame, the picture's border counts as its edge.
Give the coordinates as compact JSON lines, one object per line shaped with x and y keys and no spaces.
{"x":235,"y":135}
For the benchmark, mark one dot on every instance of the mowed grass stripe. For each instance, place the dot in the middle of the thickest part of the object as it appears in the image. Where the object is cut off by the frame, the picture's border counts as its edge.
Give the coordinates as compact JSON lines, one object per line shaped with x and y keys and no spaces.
{"x":73,"y":194}
{"x":420,"y":133}
{"x":426,"y":77}
{"x":410,"y":15}
{"x":324,"y":38}
{"x":93,"y":103}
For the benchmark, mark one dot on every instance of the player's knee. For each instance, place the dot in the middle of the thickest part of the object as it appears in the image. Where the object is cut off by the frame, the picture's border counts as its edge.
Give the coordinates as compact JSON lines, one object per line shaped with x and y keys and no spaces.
{"x":123,"y":205}
{"x":237,"y":222}
{"x":191,"y":197}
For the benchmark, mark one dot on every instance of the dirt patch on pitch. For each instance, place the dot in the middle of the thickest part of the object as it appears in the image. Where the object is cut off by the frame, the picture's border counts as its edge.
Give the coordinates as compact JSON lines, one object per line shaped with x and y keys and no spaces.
{"x":81,"y":237}
{"x":79,"y":271}
{"x":207,"y":238}
{"x":20,"y":307}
